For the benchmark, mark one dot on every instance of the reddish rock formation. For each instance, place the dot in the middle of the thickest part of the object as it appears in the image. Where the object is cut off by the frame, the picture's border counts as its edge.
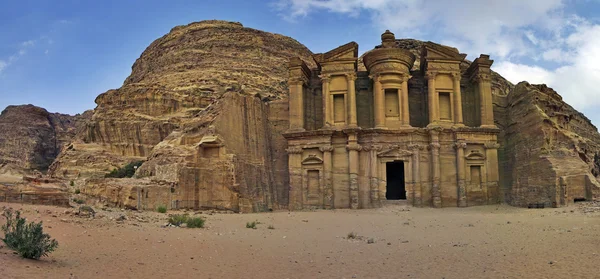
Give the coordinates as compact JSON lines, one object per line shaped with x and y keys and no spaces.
{"x":31,"y":137}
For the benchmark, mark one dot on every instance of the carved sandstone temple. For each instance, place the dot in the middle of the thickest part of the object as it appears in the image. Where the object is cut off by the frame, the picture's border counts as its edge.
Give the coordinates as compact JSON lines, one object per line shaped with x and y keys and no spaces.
{"x":359,"y":138}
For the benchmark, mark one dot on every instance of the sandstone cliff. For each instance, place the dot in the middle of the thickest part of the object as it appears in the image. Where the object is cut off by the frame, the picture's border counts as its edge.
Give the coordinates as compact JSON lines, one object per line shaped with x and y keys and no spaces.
{"x":31,"y":137}
{"x":205,"y":105}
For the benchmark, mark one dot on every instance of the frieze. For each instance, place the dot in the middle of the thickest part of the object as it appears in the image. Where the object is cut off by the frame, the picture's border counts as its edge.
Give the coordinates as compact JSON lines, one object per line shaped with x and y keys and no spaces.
{"x":294,"y":150}
{"x":415,"y":147}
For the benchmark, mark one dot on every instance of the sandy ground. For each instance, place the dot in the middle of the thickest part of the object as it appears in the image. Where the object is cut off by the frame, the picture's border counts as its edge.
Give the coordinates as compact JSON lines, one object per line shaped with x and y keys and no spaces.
{"x":475,"y":242}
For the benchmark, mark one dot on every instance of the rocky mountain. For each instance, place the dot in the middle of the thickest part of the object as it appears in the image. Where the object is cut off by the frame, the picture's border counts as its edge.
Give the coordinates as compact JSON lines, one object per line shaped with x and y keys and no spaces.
{"x":206,"y":104}
{"x":31,"y":137}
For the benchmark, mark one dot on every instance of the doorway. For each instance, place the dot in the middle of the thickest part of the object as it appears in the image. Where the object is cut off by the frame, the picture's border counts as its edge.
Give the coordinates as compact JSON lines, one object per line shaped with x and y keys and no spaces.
{"x":395,"y":188}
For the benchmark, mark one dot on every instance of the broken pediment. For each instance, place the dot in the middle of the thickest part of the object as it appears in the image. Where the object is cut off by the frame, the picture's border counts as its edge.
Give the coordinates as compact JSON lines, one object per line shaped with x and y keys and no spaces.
{"x":348,"y":51}
{"x":312,"y":160}
{"x":433,"y":51}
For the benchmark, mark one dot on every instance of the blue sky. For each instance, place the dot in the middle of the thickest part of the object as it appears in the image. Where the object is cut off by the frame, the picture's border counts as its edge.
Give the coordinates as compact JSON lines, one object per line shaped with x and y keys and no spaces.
{"x":61,"y":54}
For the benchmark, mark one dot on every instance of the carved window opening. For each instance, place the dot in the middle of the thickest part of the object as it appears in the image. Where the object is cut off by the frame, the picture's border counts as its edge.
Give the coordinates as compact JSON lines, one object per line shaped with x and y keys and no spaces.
{"x":392,"y":104}
{"x":339,"y":108}
{"x":445,"y":106}
{"x":211,"y":152}
{"x":476,"y":177}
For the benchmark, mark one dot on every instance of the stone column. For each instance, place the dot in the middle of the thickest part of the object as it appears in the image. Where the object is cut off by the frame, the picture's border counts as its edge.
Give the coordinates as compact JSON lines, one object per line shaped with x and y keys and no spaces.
{"x":374,"y":181}
{"x":434,"y":115}
{"x":327,"y":167}
{"x":327,"y":106}
{"x":416,"y":153}
{"x":295,"y":169}
{"x":460,"y":167}
{"x":353,"y":148}
{"x":296,"y":105}
{"x":378,"y":100}
{"x":491,"y":168}
{"x":436,"y":169}
{"x":458,"y":113}
{"x":485,"y":96}
{"x":405,"y":109}
{"x":351,"y":78}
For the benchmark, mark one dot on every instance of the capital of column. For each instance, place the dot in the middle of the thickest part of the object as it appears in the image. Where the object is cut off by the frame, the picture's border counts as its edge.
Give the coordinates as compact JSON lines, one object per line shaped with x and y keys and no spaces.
{"x":430,"y":75}
{"x":351,"y":76}
{"x":297,"y":80}
{"x":377,"y":147}
{"x":460,"y":145}
{"x":406,"y":77}
{"x":435,"y":146}
{"x":353,"y":147}
{"x":492,"y":145}
{"x":415,"y":147}
{"x":456,"y":76}
{"x":325,"y":77}
{"x":294,"y":150}
{"x":481,"y":77}
{"x":375,"y":77}
{"x":326,"y":148}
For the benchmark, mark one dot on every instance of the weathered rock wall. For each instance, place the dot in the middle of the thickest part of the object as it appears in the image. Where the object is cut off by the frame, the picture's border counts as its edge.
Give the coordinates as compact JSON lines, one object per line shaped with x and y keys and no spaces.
{"x":548,"y":149}
{"x":31,"y":137}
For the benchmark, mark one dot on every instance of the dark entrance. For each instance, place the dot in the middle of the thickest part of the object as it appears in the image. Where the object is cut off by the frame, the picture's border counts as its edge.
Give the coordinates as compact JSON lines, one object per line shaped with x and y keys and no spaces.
{"x":395,"y":189}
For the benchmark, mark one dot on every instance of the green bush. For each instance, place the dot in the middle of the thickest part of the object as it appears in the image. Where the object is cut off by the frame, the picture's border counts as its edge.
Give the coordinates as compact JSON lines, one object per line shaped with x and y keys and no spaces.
{"x":251,"y":225}
{"x":126,"y":171}
{"x":195,"y":222}
{"x":178,"y":219}
{"x":161,"y":209}
{"x":271,"y":227}
{"x":78,"y":201}
{"x":72,"y":183}
{"x":77,"y":191}
{"x":27,"y":239}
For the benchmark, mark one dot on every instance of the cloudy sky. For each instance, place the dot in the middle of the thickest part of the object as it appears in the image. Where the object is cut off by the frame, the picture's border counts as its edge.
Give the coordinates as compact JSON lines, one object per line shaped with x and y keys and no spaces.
{"x":61,"y":54}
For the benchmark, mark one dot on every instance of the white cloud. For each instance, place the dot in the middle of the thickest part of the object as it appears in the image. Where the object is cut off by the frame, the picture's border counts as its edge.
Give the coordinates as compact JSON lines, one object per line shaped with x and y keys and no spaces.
{"x":488,"y":26}
{"x":28,"y":43}
{"x":2,"y":65}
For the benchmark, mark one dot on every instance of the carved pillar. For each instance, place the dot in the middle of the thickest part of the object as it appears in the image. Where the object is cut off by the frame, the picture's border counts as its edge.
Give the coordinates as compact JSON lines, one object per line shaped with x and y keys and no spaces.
{"x":327,"y":167}
{"x":378,"y":98}
{"x":436,"y":169}
{"x":295,"y":169}
{"x":458,"y":113}
{"x":460,"y":167}
{"x":405,"y":109}
{"x":374,"y":181}
{"x":351,"y":78}
{"x":327,"y":104}
{"x":485,"y":96}
{"x":491,"y":167}
{"x":433,"y":100}
{"x":296,"y":104}
{"x":416,"y":155}
{"x":353,"y":148}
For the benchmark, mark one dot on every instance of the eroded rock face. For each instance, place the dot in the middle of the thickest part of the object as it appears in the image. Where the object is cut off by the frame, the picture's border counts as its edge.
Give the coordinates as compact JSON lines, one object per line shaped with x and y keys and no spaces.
{"x":549,"y":150}
{"x":211,"y":78}
{"x":31,"y":137}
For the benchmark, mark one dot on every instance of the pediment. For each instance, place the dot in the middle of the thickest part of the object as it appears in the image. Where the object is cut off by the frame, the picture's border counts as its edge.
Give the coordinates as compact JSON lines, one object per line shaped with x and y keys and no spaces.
{"x":432,"y":50}
{"x":475,"y":155}
{"x":312,"y":160}
{"x":394,"y":153}
{"x":348,"y":51}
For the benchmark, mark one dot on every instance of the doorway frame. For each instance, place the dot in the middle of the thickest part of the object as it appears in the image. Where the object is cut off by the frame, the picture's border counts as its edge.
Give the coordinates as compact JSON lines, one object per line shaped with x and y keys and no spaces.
{"x":395,"y":153}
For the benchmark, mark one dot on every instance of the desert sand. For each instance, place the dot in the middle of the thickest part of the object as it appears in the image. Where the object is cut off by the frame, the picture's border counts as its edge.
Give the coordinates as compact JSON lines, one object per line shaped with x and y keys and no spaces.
{"x":476,"y":242}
